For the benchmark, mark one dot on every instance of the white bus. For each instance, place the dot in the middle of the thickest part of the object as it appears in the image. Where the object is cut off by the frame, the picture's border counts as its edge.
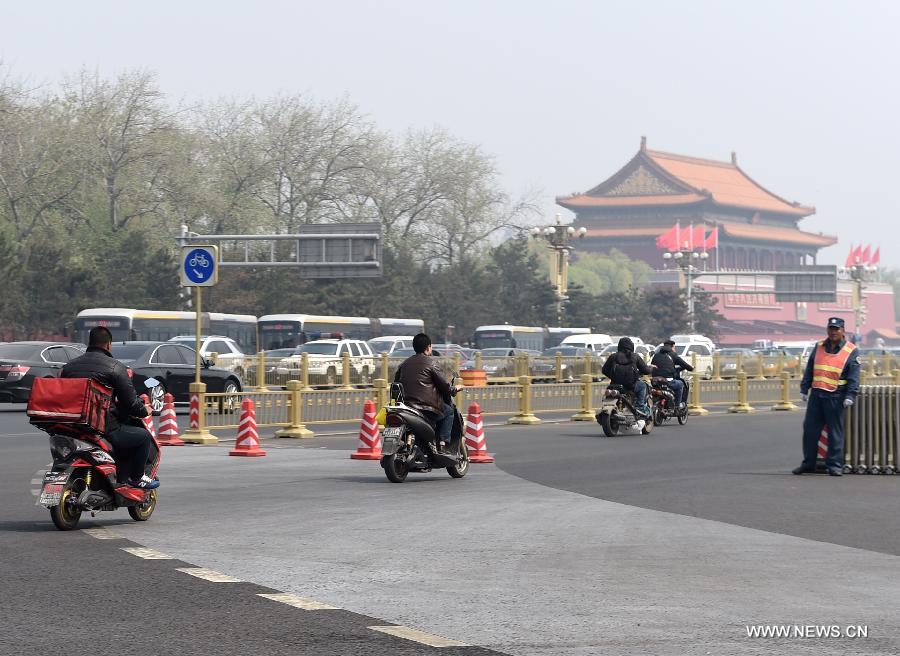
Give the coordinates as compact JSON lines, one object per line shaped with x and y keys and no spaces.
{"x":130,"y":325}
{"x":290,"y":330}
{"x":524,"y":337}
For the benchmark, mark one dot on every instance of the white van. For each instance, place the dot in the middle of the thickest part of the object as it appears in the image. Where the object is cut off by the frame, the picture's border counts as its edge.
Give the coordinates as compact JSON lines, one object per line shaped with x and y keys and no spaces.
{"x":687,"y":345}
{"x":592,"y":341}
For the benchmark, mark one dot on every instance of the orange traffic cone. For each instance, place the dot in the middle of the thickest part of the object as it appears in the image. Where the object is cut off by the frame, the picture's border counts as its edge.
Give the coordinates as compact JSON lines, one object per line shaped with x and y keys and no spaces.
{"x":168,"y":424}
{"x":475,"y":439}
{"x":247,"y":443}
{"x":369,"y":435}
{"x":148,"y":420}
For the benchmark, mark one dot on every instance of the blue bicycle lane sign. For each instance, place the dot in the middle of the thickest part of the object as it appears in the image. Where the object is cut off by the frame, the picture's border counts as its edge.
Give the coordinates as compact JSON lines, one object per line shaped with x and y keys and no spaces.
{"x":199,"y":266}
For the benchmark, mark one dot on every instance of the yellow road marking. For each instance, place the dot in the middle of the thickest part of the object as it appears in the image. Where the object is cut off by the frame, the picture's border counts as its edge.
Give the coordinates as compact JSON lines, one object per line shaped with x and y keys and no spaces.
{"x":147,"y":554}
{"x":418,"y":636}
{"x":208,"y":574}
{"x":298,"y":602}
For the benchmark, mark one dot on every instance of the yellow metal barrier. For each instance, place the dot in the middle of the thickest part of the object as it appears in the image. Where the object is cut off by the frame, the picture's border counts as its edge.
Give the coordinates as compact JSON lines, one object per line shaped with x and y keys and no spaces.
{"x":872,"y":431}
{"x":741,"y":406}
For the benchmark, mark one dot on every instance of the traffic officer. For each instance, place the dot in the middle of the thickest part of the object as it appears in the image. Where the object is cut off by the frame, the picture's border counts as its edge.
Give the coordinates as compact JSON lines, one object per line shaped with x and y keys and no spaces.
{"x":829,"y":386}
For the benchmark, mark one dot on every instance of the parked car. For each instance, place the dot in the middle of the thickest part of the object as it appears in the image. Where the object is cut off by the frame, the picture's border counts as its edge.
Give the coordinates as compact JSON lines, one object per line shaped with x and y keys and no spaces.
{"x":22,"y":362}
{"x":772,"y":356}
{"x":172,"y":364}
{"x":390,"y":344}
{"x":728,"y":358}
{"x":875,"y":355}
{"x":326,"y":365}
{"x":228,"y":353}
{"x":501,"y":362}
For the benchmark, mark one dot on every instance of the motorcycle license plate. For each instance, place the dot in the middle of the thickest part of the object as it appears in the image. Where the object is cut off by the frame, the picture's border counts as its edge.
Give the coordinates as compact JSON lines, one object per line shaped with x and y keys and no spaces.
{"x":391,"y":431}
{"x":51,"y":493}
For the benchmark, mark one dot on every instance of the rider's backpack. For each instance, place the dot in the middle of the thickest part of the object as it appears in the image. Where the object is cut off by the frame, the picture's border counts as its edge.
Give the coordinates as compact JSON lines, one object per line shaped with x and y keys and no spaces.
{"x":78,"y":403}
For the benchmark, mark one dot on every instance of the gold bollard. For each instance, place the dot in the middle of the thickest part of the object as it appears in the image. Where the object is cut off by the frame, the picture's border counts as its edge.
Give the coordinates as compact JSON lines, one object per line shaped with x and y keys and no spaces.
{"x":896,"y":375}
{"x":199,"y":435}
{"x":587,"y":411}
{"x":296,"y":427}
{"x":780,"y":364}
{"x":525,"y":416}
{"x":694,"y":407}
{"x":717,"y":367}
{"x":385,"y":367}
{"x":478,"y":361}
{"x":558,"y":367}
{"x":588,"y":364}
{"x":871,"y":367}
{"x":785,"y":403}
{"x":345,"y":371}
{"x":760,"y":360}
{"x":742,"y":406}
{"x":304,"y":371}
{"x":886,"y":364}
{"x":740,"y":364}
{"x":261,"y":372}
{"x":381,"y":392}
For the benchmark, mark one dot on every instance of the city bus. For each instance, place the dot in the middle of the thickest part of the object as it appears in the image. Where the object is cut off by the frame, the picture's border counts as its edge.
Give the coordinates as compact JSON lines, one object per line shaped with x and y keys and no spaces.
{"x":290,"y":330}
{"x":524,"y":337}
{"x":130,"y":325}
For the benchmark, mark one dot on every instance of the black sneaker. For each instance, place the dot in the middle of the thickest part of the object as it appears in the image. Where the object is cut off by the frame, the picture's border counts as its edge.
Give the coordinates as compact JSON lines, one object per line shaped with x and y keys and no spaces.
{"x":802,"y":470}
{"x":835,"y":472}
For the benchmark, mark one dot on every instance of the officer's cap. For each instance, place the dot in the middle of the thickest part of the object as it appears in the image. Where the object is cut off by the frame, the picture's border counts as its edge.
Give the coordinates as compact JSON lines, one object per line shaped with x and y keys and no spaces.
{"x":835,"y":322}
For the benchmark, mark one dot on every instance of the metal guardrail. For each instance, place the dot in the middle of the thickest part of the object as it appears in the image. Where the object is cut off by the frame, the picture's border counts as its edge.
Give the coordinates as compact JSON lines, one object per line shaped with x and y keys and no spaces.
{"x":872,"y":431}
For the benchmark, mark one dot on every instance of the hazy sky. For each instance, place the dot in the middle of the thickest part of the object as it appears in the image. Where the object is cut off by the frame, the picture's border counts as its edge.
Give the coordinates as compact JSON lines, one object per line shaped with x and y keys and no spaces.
{"x":559,"y":92}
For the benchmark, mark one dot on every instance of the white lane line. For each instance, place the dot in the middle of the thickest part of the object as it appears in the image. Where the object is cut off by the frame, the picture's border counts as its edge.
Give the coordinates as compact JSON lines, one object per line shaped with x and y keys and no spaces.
{"x":418,"y":636}
{"x":298,"y":602}
{"x":208,"y":574}
{"x":147,"y":554}
{"x":102,"y":533}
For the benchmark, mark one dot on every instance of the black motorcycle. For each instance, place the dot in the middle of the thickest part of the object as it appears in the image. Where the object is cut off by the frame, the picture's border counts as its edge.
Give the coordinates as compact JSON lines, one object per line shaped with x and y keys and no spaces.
{"x":662,"y":402}
{"x":619,"y":412}
{"x":409,"y":442}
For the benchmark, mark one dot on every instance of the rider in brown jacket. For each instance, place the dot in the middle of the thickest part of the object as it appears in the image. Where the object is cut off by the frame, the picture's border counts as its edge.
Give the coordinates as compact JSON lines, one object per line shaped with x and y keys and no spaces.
{"x":426,"y":389}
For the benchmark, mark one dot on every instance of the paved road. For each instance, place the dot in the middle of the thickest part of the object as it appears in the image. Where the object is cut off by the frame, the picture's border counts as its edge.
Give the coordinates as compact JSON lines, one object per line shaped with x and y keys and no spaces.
{"x":560,"y":549}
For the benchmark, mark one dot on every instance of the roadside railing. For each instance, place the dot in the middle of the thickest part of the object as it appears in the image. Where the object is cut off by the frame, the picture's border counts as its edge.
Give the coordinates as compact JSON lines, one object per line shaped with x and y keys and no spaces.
{"x":872,"y":431}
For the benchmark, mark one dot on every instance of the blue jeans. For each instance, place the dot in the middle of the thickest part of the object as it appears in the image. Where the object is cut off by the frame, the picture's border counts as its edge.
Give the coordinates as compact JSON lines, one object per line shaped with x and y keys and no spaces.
{"x":640,"y":396}
{"x":443,"y":425}
{"x":824,"y":408}
{"x":677,"y":386}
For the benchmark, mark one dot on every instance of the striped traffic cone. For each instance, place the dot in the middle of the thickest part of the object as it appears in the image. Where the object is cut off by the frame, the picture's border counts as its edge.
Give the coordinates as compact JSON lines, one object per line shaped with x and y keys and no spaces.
{"x":822,"y":449}
{"x":369,"y":435}
{"x":168,"y":424}
{"x":475,"y":439}
{"x":148,"y":420}
{"x":247,"y":443}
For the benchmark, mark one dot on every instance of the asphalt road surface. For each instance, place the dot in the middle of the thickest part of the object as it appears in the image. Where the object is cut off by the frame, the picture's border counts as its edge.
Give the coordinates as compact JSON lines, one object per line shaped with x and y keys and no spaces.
{"x":571,"y":544}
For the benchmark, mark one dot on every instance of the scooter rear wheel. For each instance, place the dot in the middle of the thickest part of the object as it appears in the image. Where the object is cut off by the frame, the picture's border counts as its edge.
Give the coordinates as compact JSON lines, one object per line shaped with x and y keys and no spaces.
{"x":394,"y":468}
{"x":65,"y":516}
{"x":142,"y":512}
{"x":683,"y":416}
{"x":610,"y":424}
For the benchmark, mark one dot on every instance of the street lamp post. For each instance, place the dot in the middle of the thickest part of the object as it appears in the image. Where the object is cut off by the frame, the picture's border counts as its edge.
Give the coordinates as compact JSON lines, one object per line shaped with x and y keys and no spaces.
{"x":859,"y":273}
{"x":686,"y":259}
{"x":559,"y":240}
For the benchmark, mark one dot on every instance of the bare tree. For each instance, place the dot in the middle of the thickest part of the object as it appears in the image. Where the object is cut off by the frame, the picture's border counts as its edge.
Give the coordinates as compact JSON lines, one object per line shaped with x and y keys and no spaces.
{"x":124,"y":126}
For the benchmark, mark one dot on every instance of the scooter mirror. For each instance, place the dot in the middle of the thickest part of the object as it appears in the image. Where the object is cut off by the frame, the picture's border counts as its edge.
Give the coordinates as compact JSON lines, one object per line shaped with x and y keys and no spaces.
{"x":150,"y":383}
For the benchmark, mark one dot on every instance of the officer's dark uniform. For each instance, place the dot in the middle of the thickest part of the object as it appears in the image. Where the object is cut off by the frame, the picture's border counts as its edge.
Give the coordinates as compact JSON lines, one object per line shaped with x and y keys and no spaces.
{"x":834,"y":378}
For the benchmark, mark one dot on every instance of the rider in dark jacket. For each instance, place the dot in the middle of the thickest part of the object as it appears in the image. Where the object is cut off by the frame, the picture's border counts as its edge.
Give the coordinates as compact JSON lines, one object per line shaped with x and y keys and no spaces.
{"x":426,"y":389}
{"x":131,"y":443}
{"x":666,"y":361}
{"x":625,"y":368}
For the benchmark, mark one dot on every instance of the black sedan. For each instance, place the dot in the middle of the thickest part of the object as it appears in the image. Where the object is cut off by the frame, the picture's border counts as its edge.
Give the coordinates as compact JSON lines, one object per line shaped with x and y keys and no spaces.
{"x":172,"y":364}
{"x":22,"y":362}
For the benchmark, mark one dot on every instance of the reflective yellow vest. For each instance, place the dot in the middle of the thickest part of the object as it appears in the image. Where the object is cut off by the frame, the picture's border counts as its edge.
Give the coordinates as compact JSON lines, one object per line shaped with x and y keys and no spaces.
{"x":827,"y":367}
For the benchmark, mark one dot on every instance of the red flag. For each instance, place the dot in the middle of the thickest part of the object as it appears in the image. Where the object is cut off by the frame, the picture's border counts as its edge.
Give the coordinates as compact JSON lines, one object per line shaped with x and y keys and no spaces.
{"x":699,"y":237}
{"x":849,"y":260}
{"x":876,"y":257}
{"x":666,"y":240}
{"x":866,"y":255}
{"x":712,"y":240}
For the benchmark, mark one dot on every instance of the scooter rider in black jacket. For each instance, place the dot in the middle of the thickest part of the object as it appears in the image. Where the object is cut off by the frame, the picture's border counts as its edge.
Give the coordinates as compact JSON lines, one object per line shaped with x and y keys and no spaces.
{"x":625,"y":368}
{"x":666,"y":360}
{"x":131,"y":444}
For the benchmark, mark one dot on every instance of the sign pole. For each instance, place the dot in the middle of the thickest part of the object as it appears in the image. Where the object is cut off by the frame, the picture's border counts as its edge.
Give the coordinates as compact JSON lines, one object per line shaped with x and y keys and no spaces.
{"x":197,"y":300}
